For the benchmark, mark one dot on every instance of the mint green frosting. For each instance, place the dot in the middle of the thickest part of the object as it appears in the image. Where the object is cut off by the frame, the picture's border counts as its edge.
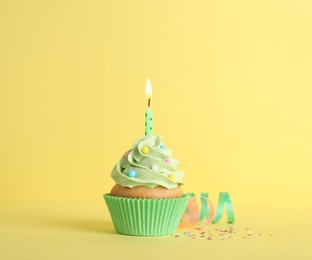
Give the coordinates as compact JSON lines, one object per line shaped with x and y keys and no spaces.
{"x":151,"y":168}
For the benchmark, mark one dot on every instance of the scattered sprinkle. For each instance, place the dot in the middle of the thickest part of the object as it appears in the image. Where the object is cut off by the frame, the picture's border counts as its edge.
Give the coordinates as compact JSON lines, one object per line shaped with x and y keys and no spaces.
{"x":220,"y":233}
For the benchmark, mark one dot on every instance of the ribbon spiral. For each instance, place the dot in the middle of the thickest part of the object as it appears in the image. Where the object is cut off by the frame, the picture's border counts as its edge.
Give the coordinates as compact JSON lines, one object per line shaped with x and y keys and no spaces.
{"x":193,"y":217}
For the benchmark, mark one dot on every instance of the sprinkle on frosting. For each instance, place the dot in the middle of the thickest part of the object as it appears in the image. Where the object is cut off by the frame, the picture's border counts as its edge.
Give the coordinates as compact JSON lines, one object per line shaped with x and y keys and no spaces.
{"x":145,"y":150}
{"x":131,"y":173}
{"x":168,"y":161}
{"x":155,"y":167}
{"x":171,"y":176}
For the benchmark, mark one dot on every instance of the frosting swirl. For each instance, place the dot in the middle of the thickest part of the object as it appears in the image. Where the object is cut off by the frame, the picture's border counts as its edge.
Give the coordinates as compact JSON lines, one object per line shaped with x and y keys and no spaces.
{"x":150,"y":164}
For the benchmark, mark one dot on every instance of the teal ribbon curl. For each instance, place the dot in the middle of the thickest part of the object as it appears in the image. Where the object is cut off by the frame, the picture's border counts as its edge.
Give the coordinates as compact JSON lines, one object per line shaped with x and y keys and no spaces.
{"x":224,"y":201}
{"x":205,"y":210}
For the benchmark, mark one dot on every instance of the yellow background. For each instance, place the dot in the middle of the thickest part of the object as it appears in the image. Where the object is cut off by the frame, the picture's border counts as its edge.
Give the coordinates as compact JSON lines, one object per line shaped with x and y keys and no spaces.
{"x":232,"y":91}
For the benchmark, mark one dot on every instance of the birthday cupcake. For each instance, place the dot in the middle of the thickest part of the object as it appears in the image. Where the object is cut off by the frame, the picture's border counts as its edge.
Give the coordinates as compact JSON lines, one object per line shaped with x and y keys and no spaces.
{"x":147,"y":199}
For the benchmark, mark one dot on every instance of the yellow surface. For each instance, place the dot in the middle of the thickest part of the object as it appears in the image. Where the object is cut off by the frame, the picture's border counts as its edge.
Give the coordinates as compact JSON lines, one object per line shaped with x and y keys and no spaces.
{"x":231,"y":96}
{"x":84,"y":231}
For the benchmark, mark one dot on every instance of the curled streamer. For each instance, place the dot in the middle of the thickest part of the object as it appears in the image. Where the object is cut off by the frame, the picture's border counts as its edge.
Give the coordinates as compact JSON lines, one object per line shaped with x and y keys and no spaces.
{"x":193,"y":217}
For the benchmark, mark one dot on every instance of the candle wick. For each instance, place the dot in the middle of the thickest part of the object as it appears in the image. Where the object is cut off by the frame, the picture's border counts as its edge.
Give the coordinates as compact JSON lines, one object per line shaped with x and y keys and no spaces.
{"x":149,"y":103}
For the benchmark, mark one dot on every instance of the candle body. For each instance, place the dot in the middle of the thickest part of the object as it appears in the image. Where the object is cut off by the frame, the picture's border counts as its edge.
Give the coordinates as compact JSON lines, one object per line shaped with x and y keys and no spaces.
{"x":148,"y":122}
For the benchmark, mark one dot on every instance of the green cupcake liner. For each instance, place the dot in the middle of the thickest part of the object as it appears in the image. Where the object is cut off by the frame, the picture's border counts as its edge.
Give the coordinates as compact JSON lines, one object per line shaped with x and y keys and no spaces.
{"x":146,"y":217}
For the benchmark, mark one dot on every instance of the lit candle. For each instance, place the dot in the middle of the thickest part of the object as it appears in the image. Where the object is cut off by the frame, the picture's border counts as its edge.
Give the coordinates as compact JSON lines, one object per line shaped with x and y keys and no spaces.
{"x":148,"y":111}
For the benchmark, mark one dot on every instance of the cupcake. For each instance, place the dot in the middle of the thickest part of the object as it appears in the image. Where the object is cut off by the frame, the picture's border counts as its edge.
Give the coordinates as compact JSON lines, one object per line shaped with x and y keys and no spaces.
{"x":147,"y":199}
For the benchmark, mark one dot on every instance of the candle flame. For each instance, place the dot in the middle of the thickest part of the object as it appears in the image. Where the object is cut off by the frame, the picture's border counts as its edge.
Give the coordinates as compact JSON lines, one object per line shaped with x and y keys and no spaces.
{"x":148,"y":89}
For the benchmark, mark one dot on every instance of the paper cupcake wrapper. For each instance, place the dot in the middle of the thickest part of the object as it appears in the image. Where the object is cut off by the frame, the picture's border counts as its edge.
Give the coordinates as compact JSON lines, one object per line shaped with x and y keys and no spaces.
{"x":146,"y":217}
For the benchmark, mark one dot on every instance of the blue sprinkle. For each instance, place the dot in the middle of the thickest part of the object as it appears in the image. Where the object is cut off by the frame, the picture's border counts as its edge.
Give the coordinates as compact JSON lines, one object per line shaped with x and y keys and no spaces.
{"x":162,"y":146}
{"x":131,"y":173}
